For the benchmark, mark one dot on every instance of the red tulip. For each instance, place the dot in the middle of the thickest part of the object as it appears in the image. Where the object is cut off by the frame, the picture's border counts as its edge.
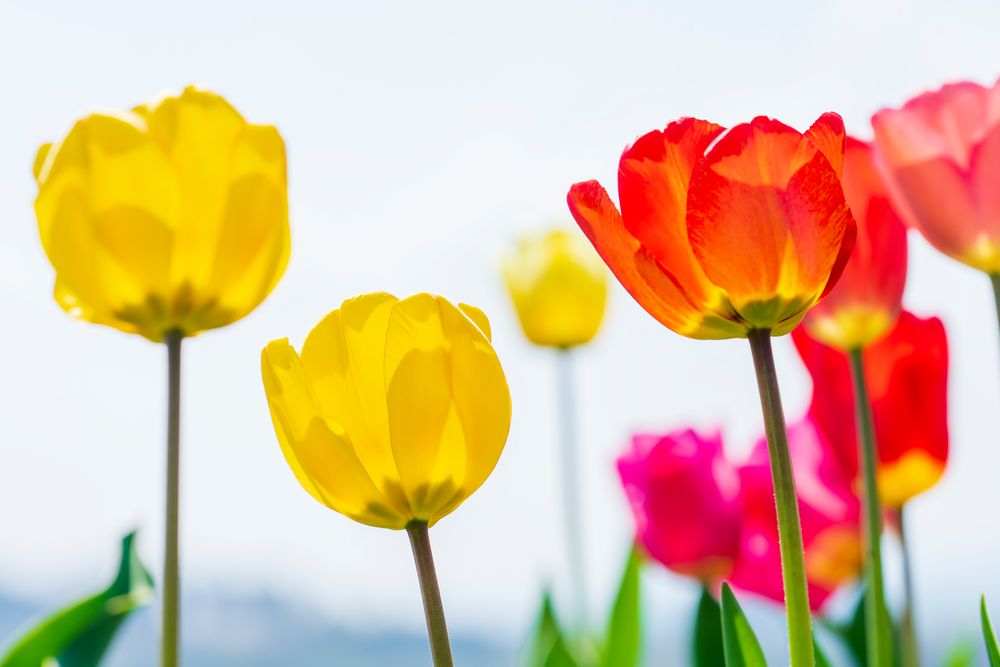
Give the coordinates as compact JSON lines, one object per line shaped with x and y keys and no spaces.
{"x":942,"y":153}
{"x":684,"y":497}
{"x":906,"y":374}
{"x":864,"y":304}
{"x":721,"y":233}
{"x":830,"y":515}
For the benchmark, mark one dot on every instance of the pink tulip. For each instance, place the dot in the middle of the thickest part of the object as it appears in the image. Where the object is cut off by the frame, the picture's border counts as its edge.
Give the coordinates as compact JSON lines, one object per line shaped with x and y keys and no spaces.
{"x":685,"y":499}
{"x":941,"y":151}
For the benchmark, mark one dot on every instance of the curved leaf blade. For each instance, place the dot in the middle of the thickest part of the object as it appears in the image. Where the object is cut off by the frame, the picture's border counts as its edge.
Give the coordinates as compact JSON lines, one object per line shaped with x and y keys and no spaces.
{"x":738,"y":640}
{"x":988,"y":636}
{"x":706,"y":649}
{"x":623,"y":643}
{"x":79,"y":635}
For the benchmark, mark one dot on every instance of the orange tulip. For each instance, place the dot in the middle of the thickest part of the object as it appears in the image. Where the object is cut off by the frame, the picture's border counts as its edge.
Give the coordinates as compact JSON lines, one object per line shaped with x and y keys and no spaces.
{"x":721,"y":233}
{"x":864,"y":305}
{"x":942,"y":153}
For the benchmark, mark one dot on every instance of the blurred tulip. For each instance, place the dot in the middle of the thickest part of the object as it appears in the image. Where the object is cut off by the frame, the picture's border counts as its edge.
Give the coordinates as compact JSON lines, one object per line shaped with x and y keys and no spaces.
{"x":559,"y":287}
{"x":865,"y":303}
{"x":395,"y":412}
{"x":941,"y":151}
{"x":830,"y":520}
{"x":171,"y":217}
{"x":685,"y":499}
{"x":907,"y":378}
{"x":721,"y":233}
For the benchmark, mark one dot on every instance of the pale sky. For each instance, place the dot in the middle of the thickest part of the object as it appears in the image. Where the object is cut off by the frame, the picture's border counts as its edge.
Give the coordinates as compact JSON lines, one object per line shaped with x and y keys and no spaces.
{"x":422,"y":138}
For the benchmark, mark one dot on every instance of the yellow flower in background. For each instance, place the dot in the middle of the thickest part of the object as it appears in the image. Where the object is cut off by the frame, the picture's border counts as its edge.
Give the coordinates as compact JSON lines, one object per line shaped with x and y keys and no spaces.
{"x":559,"y":286}
{"x":170,"y":217}
{"x":395,"y":411}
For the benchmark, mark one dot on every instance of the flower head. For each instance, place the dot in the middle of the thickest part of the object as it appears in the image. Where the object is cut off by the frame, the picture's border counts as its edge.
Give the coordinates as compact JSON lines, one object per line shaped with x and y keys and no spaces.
{"x":395,"y":410}
{"x":685,"y":499}
{"x":830,"y":514}
{"x":864,"y":304}
{"x":170,"y":217}
{"x":721,"y":233}
{"x":941,"y":151}
{"x":906,"y":374}
{"x":559,"y":287}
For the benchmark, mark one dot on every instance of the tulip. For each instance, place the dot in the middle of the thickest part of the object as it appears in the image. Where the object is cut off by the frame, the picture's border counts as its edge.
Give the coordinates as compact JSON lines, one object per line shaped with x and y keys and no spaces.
{"x":941,"y":152}
{"x":866,"y":301}
{"x":393,"y":414}
{"x":685,"y":500}
{"x":559,"y":288}
{"x":830,"y":520}
{"x":907,"y":375}
{"x":165,"y":221}
{"x":169,"y":218}
{"x":729,"y":235}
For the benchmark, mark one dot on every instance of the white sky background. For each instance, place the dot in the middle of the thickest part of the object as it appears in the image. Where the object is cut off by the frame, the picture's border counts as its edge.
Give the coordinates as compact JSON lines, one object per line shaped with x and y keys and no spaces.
{"x":422,"y":138}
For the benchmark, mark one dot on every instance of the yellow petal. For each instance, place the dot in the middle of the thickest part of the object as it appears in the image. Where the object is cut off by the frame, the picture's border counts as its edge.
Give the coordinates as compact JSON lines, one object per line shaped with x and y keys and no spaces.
{"x":343,"y":357}
{"x":479,"y":317}
{"x":317,"y":449}
{"x":40,"y":157}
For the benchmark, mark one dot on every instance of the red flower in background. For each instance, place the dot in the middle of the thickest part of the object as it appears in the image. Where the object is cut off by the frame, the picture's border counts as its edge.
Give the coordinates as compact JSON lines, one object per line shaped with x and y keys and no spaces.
{"x":864,"y":304}
{"x":721,"y":233}
{"x":830,"y":514}
{"x":942,"y":153}
{"x":907,"y":378}
{"x":684,"y":497}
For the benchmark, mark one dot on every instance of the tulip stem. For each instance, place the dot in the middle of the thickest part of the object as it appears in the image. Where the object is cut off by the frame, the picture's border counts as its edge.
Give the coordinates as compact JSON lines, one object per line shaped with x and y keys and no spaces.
{"x":907,"y":630}
{"x":995,"y":281}
{"x":571,"y":486}
{"x":877,"y":628}
{"x":171,"y":570}
{"x":437,"y":628}
{"x":793,"y":569}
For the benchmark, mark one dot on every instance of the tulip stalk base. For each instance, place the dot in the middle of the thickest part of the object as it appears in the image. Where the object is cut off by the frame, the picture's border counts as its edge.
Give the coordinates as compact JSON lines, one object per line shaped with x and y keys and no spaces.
{"x":571,"y":487}
{"x":793,"y":569}
{"x":907,"y":628}
{"x":877,"y":626}
{"x":437,"y":628}
{"x":170,"y":633}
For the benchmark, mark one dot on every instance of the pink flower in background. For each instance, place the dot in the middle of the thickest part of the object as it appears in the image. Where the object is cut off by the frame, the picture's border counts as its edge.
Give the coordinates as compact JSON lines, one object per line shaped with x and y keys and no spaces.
{"x":685,"y":498}
{"x":830,"y":514}
{"x":942,"y":153}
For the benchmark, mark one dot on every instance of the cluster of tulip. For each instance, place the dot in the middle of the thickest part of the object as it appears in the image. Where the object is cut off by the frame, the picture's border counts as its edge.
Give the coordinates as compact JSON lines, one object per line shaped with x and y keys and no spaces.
{"x":171,"y":219}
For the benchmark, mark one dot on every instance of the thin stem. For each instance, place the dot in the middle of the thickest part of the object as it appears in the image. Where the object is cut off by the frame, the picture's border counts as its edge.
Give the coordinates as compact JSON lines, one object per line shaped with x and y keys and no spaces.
{"x":910,"y":647}
{"x":877,"y":630}
{"x":571,"y":486}
{"x":793,"y":569}
{"x":437,"y":629}
{"x":171,"y":569}
{"x":995,"y":281}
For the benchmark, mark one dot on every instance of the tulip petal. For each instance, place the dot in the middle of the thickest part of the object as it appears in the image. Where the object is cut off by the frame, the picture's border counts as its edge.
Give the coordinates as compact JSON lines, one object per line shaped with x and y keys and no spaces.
{"x":765,"y":187}
{"x":343,"y":357}
{"x":654,"y":288}
{"x":479,"y":318}
{"x":653,"y":178}
{"x":318,"y":449}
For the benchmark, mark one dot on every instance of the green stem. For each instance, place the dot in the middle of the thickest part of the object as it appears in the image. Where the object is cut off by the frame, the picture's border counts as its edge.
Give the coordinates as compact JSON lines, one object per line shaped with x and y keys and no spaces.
{"x":877,"y":628}
{"x":171,"y":570}
{"x":793,"y":569}
{"x":571,"y":487}
{"x":995,"y":281}
{"x":907,"y":629}
{"x":437,"y":629}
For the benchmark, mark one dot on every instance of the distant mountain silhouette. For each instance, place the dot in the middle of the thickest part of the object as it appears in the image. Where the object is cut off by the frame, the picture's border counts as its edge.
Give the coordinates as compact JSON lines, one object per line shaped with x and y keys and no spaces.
{"x":263,"y":631}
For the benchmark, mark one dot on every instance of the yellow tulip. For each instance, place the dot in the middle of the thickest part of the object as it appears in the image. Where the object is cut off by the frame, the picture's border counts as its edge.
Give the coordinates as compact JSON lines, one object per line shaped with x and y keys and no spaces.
{"x":171,"y":217}
{"x":395,"y":412}
{"x":559,"y":287}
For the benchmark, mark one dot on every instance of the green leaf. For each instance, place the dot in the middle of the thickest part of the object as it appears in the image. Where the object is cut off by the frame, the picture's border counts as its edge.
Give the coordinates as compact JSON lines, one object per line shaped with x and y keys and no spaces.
{"x":961,"y":654}
{"x":991,"y":640}
{"x":548,"y":646}
{"x":707,"y":645}
{"x":78,"y":635}
{"x":819,"y":655}
{"x":740,"y":645}
{"x":623,"y":642}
